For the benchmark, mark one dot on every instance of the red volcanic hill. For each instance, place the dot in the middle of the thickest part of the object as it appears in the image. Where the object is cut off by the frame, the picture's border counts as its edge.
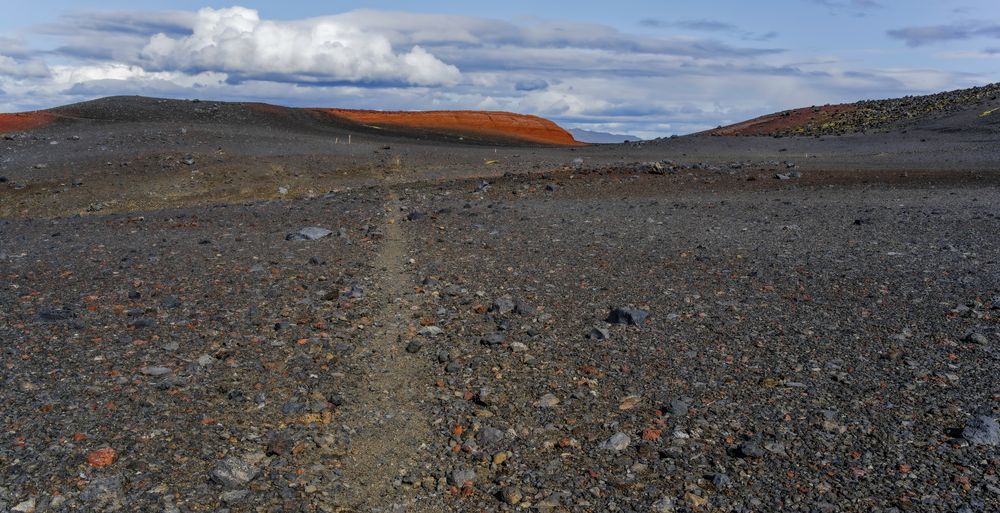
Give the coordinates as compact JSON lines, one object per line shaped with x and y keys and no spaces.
{"x":470,"y":126}
{"x":504,"y":125}
{"x":25,"y":121}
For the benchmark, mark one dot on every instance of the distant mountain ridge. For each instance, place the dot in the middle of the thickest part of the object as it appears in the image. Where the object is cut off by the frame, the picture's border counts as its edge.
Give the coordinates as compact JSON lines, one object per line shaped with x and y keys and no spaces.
{"x":593,"y":137}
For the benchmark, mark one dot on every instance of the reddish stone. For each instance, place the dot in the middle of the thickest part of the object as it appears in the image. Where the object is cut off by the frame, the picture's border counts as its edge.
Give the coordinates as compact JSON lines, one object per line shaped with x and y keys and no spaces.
{"x":102,"y":457}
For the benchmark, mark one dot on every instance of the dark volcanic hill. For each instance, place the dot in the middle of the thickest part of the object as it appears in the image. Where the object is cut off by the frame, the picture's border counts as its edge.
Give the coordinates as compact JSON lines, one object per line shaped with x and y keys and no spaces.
{"x":961,"y":110}
{"x":493,"y":128}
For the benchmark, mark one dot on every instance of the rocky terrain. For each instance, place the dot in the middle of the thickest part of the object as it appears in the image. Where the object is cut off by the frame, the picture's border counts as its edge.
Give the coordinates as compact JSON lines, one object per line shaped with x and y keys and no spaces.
{"x":223,"y":307}
{"x":877,"y":115}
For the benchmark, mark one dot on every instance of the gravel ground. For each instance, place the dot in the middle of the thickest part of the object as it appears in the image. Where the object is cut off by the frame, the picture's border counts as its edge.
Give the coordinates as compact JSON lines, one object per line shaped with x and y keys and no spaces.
{"x":700,"y":324}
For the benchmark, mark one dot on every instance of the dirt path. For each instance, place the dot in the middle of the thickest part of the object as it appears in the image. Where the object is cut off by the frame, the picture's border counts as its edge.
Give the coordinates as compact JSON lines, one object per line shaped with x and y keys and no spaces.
{"x":389,"y":417}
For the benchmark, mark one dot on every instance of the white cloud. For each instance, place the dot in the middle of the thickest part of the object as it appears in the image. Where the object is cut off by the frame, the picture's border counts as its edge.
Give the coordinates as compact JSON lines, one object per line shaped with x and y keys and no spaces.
{"x":236,"y":41}
{"x":25,"y":69}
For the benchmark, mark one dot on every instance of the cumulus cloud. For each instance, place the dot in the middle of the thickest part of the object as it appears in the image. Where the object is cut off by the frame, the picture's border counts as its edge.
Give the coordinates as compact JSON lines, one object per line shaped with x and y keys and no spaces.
{"x":235,"y":40}
{"x":22,"y":69}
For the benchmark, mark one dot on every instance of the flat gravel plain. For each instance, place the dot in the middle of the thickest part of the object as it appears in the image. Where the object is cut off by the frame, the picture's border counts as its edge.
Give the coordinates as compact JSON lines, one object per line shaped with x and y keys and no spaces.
{"x":690,"y":325}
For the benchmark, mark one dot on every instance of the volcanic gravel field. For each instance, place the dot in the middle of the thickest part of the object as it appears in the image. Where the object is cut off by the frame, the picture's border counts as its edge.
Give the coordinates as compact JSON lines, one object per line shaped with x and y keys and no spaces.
{"x":250,"y":317}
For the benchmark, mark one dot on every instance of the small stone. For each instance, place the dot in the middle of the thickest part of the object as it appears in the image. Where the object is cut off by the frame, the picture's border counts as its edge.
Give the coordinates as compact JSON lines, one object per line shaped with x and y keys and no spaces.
{"x":413,"y":347}
{"x":664,"y":505}
{"x":552,"y":501}
{"x":154,"y":370}
{"x":493,"y":339}
{"x":976,"y":338}
{"x":27,"y":506}
{"x":749,"y":450}
{"x":502,"y":306}
{"x":630,"y":316}
{"x":511,"y":495}
{"x":547,"y":401}
{"x":234,"y":496}
{"x":430,"y":331}
{"x":599,"y":334}
{"x":101,"y":458}
{"x":489,"y":436}
{"x":721,"y":481}
{"x":280,"y":443}
{"x":696,"y":501}
{"x":459,"y":477}
{"x":618,"y":442}
{"x":518,"y":347}
{"x":982,"y":430}
{"x":104,"y":494}
{"x":205,"y":360}
{"x":678,"y":408}
{"x":233,"y":472}
{"x":309,"y":233}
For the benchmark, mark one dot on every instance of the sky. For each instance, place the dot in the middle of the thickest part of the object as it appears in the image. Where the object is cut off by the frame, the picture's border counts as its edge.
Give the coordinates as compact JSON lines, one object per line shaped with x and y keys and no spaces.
{"x":645,"y":68}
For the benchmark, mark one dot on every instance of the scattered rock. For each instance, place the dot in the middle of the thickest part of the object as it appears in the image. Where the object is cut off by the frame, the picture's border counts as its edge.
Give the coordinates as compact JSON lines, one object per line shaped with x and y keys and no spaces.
{"x":511,"y":495}
{"x":547,"y":401}
{"x":234,"y":496}
{"x":489,"y":436}
{"x":430,"y":331}
{"x":618,"y":442}
{"x":982,"y":430}
{"x":493,"y":339}
{"x":599,"y":334}
{"x":630,"y":316}
{"x":749,"y":450}
{"x":459,"y":477}
{"x":309,"y":233}
{"x":101,"y":458}
{"x":104,"y":494}
{"x":664,"y":505}
{"x":27,"y":506}
{"x":234,"y":472}
{"x":155,"y":371}
{"x":976,"y":338}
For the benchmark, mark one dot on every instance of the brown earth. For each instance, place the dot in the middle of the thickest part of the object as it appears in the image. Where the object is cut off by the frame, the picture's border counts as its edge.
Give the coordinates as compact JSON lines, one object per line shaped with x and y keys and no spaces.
{"x":25,"y":121}
{"x":522,"y":127}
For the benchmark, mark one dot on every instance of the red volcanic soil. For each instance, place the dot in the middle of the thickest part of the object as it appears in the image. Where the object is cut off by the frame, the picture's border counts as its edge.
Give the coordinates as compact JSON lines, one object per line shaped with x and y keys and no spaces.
{"x":506,"y":125}
{"x":786,"y":121}
{"x":25,"y":121}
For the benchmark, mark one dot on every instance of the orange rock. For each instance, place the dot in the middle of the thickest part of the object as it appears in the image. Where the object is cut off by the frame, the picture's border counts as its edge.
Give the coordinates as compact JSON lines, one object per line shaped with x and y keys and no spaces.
{"x":102,"y":457}
{"x":651,"y":435}
{"x":502,"y":125}
{"x":25,"y":121}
